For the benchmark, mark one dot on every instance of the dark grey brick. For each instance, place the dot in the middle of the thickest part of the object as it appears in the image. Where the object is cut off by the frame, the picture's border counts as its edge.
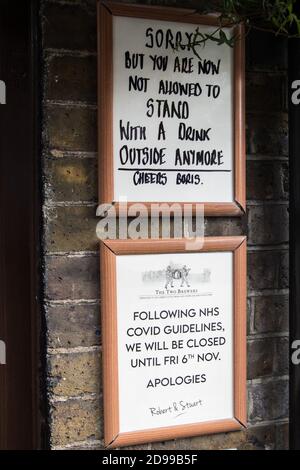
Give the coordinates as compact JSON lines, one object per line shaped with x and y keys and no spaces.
{"x":71,"y":228}
{"x":72,"y":128}
{"x":268,"y":224}
{"x":266,"y":92}
{"x":72,"y":78}
{"x":71,"y":179}
{"x":267,"y":180}
{"x":263,"y":269}
{"x":267,"y":134}
{"x":269,"y":401}
{"x":70,"y":26}
{"x":267,"y":357}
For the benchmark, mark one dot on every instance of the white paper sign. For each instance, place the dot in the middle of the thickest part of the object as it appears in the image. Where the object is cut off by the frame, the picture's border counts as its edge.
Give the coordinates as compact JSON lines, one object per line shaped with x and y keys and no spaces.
{"x":173,"y":114}
{"x":175,"y":339}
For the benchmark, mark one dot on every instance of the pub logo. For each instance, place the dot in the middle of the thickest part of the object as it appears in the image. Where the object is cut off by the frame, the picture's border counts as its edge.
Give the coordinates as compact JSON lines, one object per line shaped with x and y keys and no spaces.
{"x":176,"y":279}
{"x":175,"y":275}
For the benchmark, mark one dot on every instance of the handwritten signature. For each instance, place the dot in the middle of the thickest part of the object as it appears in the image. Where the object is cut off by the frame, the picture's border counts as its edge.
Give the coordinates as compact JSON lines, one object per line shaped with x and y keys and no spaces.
{"x":177,"y":408}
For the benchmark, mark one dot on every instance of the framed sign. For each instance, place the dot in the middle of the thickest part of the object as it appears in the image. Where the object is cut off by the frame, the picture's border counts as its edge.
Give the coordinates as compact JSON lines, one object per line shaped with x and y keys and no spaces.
{"x":171,"y":122}
{"x":174,"y":338}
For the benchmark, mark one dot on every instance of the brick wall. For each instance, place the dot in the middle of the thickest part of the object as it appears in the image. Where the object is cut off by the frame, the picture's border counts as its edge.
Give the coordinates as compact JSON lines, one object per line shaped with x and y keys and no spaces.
{"x":71,"y":276}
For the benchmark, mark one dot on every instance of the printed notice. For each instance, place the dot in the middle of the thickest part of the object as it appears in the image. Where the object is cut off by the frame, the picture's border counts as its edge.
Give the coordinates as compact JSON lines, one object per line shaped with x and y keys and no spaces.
{"x":175,"y":339}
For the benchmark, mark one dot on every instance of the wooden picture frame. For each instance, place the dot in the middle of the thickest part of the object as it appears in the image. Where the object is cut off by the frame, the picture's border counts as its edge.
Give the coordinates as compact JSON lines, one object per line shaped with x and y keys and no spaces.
{"x":106,"y":11}
{"x":112,"y":249}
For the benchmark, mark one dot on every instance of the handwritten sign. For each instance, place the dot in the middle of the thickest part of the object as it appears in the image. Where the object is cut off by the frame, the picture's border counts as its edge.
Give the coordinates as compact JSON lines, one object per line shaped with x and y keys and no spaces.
{"x":2,"y":92}
{"x":176,"y":338}
{"x":176,"y":124}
